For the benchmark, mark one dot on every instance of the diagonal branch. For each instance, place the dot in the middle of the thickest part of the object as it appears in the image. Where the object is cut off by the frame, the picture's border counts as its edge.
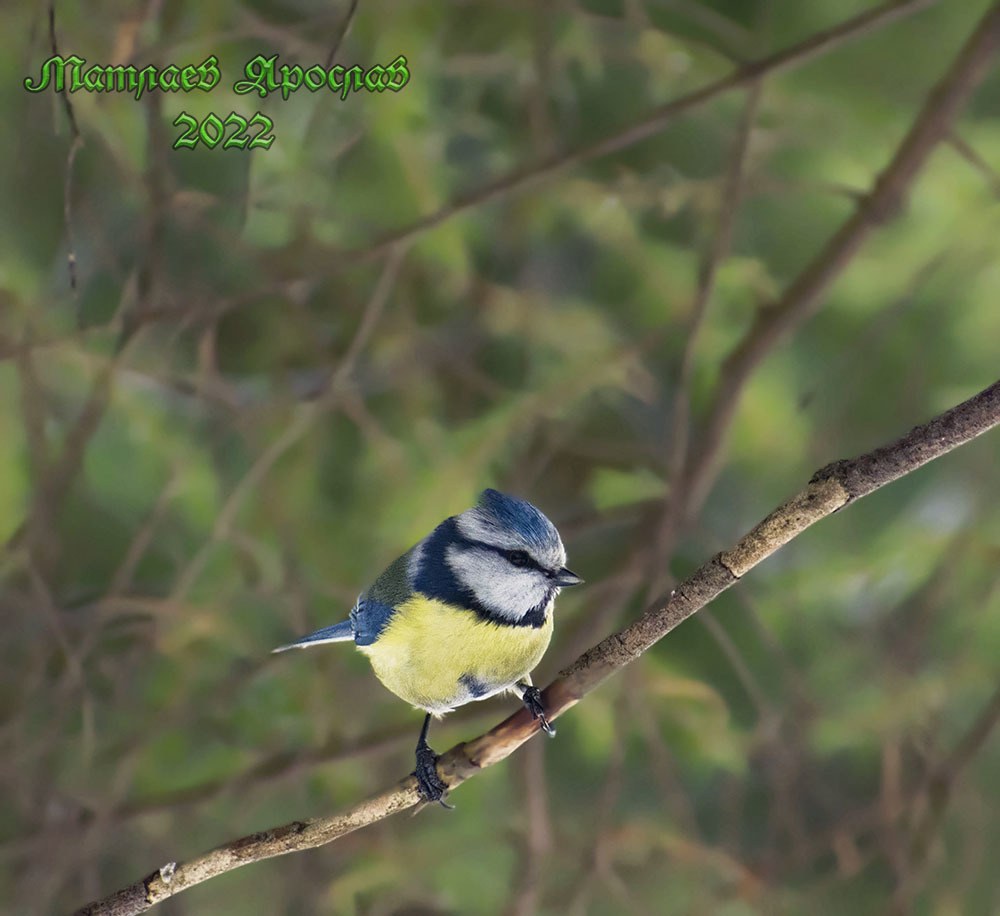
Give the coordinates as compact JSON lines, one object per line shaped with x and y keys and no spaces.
{"x":942,"y":781}
{"x":652,"y":121}
{"x":806,"y":294}
{"x":74,"y":147}
{"x":677,"y":502}
{"x":830,"y":489}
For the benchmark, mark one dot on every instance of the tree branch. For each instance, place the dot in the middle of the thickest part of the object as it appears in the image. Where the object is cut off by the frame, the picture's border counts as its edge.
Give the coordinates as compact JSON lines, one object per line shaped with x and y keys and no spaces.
{"x":830,"y":489}
{"x":806,"y":294}
{"x":942,"y":781}
{"x":651,"y":122}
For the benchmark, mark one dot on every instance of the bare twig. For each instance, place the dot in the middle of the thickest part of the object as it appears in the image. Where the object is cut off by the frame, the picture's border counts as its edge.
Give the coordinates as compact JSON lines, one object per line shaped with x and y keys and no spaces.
{"x":969,"y":154}
{"x":122,"y":578}
{"x":300,"y":423}
{"x":766,"y":714}
{"x":662,"y":762}
{"x":536,"y":838}
{"x":342,"y":30}
{"x":942,"y":782}
{"x":33,"y":409}
{"x":830,"y":489}
{"x":653,"y":121}
{"x":60,"y":474}
{"x":676,"y":505}
{"x":805,"y":295}
{"x":598,"y":869}
{"x":74,"y":147}
{"x":853,"y":825}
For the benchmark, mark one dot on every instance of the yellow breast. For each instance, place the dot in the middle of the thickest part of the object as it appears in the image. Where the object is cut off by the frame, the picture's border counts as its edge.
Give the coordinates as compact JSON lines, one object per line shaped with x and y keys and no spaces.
{"x":437,"y":656}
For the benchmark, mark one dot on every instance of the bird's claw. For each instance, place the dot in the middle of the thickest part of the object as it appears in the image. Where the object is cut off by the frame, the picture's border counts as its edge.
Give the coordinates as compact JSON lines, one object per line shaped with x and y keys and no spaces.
{"x":532,"y":699}
{"x":429,"y":784}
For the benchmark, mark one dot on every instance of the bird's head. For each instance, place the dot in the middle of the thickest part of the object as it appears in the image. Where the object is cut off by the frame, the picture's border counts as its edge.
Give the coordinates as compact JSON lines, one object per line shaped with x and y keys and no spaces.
{"x":509,"y":556}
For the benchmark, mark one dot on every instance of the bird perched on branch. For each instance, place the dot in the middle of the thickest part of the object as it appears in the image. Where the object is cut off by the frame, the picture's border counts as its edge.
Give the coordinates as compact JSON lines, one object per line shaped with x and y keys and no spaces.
{"x":464,"y":614}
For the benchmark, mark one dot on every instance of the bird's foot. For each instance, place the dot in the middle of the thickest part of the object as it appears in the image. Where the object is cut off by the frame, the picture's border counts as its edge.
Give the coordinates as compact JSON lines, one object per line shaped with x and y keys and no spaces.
{"x":429,"y":784}
{"x":532,"y":698}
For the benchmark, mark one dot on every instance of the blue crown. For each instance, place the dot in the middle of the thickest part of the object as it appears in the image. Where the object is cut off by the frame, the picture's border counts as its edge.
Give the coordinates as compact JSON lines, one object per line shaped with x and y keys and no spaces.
{"x":520,"y":516}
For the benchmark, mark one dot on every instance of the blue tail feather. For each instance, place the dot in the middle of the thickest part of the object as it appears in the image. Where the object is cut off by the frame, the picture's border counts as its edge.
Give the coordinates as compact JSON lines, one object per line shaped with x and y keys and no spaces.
{"x":339,"y":632}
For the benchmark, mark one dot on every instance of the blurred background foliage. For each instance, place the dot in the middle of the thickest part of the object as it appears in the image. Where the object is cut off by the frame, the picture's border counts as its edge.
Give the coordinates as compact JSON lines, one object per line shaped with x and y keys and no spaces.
{"x":249,"y":405}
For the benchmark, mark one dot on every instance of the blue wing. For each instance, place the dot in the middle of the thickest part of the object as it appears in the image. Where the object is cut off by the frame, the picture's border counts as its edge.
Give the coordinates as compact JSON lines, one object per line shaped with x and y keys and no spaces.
{"x":374,"y":610}
{"x":370,"y":616}
{"x":368,"y":619}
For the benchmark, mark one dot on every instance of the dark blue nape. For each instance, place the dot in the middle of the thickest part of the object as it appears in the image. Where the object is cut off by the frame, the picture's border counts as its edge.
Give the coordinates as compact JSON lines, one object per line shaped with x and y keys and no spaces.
{"x":434,"y":576}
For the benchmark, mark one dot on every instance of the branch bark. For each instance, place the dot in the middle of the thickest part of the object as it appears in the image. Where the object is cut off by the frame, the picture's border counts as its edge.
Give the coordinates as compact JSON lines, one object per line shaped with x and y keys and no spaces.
{"x":831,"y":488}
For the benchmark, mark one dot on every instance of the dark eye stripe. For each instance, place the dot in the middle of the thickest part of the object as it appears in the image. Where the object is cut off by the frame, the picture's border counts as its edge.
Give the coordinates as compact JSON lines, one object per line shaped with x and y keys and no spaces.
{"x":521,"y":559}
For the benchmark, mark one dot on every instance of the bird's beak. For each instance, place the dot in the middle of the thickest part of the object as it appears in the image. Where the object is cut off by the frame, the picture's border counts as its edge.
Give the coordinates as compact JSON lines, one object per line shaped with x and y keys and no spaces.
{"x":565,"y":577}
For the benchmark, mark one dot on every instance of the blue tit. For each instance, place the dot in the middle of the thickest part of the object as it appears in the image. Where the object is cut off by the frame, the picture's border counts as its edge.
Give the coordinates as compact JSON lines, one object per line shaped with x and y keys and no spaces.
{"x":464,"y":614}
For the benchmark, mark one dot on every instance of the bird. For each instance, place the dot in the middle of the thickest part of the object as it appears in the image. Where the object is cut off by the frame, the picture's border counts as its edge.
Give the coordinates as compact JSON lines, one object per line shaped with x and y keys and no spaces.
{"x":464,"y":614}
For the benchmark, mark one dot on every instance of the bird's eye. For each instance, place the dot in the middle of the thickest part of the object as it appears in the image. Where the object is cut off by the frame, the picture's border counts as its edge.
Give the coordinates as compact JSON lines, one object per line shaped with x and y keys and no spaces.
{"x":518,"y":558}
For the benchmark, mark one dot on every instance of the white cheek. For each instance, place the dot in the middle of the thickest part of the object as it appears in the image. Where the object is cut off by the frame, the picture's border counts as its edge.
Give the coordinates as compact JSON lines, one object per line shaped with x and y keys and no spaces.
{"x":501,"y":588}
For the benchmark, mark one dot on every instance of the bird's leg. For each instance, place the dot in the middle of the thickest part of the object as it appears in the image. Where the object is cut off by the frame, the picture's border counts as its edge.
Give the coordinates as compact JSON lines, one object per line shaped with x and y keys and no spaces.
{"x":429,"y":784}
{"x":531,"y":696}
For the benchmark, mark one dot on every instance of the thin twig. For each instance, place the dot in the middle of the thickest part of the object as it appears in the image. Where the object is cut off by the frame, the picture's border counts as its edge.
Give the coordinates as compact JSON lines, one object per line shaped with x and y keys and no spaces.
{"x":60,"y":475}
{"x":342,"y":31}
{"x":651,"y":122}
{"x":536,"y":838}
{"x":969,"y":154}
{"x":941,"y":784}
{"x":806,"y":294}
{"x":74,"y":147}
{"x":676,"y":503}
{"x":300,"y":423}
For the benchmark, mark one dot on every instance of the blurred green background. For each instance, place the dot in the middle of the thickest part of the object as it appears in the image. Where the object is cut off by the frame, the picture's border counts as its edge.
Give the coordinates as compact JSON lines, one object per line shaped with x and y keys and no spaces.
{"x":249,"y":406}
